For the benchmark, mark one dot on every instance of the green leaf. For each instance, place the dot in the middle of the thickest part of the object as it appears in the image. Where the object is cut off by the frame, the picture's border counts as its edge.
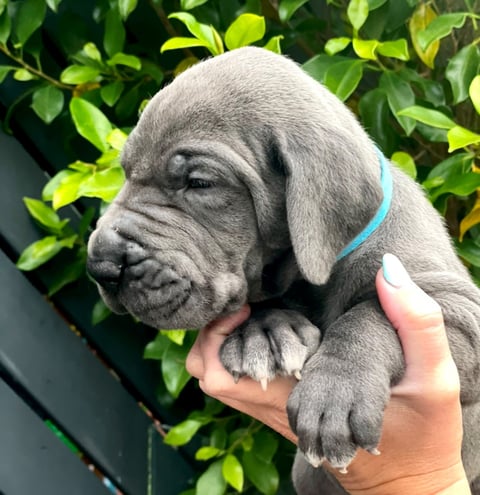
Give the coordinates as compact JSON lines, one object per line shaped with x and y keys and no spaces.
{"x":53,"y":183}
{"x":273,"y":44}
{"x":451,"y":168}
{"x":318,"y":65}
{"x":428,"y":116}
{"x":63,"y":274}
{"x":233,"y":472}
{"x":104,"y":185}
{"x":176,"y":336}
{"x":23,"y":75}
{"x":375,"y":4}
{"x":406,"y":163}
{"x":469,"y":251}
{"x":39,"y":253}
{"x":90,"y":122}
{"x":344,"y":77}
{"x":3,"y":4}
{"x":79,"y":74}
{"x":365,"y":48}
{"x":91,"y":51}
{"x":127,"y":60}
{"x":211,"y":482}
{"x":67,"y":191}
{"x":459,"y":137}
{"x":202,"y":32}
{"x":218,"y":438}
{"x":400,"y":95}
{"x":474,"y":92}
{"x":183,"y":432}
{"x":179,"y":42}
{"x":420,"y":19}
{"x":114,"y":36}
{"x":461,"y":70}
{"x":263,"y":475}
{"x":265,"y":445}
{"x":4,"y":70}
{"x":191,"y":4}
{"x":45,"y":215}
{"x":357,"y":13}
{"x":453,"y":175}
{"x":287,"y":8}
{"x":126,"y":7}
{"x":173,"y":369}
{"x":47,"y":103}
{"x":335,"y":45}
{"x":28,"y":19}
{"x":206,"y":453}
{"x":116,"y":139}
{"x":245,"y":30}
{"x":375,"y":114}
{"x":112,"y":92}
{"x":156,"y":348}
{"x":5,"y":26}
{"x":440,"y":27}
{"x":53,"y":4}
{"x":432,"y":90}
{"x":68,"y":242}
{"x":100,"y":312}
{"x":394,"y":49}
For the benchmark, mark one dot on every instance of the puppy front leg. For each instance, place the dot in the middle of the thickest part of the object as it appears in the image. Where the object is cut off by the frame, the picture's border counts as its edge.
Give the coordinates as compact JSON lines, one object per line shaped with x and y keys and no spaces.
{"x":271,"y":342}
{"x":338,"y":404}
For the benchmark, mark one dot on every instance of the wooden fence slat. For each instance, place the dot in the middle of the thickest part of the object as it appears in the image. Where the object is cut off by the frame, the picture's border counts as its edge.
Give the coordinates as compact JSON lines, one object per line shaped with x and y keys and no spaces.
{"x":119,"y":340}
{"x":42,"y":355}
{"x":33,"y":460}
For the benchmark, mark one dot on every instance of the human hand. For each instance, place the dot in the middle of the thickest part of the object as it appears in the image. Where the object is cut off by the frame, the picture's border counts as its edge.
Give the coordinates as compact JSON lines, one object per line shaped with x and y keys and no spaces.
{"x":422,"y":433}
{"x":247,"y":395}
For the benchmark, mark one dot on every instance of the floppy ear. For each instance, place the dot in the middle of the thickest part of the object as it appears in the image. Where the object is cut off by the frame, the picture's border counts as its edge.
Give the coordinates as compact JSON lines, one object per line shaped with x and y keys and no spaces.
{"x":332,"y":191}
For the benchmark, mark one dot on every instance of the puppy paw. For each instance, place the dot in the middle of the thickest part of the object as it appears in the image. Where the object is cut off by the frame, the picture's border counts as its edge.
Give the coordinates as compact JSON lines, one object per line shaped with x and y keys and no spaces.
{"x":272,"y":342}
{"x":334,"y":413}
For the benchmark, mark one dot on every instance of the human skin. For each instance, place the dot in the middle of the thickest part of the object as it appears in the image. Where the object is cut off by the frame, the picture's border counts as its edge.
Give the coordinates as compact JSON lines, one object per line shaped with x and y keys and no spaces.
{"x":415,"y":458}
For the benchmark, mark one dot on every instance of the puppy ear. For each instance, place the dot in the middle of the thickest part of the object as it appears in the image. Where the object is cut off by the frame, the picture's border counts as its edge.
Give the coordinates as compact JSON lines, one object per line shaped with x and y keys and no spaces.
{"x":332,"y":191}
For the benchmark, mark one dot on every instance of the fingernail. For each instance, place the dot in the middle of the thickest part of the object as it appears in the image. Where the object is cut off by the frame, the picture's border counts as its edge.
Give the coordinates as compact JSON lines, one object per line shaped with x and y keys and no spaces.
{"x":394,"y":272}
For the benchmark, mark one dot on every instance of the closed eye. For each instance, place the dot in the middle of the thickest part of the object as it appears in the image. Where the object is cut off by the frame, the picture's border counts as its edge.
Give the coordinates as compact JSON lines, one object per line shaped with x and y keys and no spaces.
{"x":199,"y":184}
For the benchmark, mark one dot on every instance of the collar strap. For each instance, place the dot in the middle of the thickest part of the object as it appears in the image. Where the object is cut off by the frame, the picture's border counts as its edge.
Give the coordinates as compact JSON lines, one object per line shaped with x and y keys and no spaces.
{"x":376,"y":221}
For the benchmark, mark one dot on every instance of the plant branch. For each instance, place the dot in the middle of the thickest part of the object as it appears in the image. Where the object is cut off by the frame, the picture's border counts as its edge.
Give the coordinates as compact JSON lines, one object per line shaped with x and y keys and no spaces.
{"x":32,"y":70}
{"x":167,"y":25}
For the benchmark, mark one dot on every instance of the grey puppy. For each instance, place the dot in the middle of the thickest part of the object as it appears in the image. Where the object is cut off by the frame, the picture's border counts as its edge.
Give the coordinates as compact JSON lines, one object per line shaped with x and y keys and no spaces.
{"x":247,"y":181}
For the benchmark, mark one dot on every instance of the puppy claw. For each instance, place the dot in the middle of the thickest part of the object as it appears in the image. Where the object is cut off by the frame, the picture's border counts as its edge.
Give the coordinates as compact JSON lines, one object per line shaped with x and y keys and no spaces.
{"x":343,"y":470}
{"x":374,"y":451}
{"x":313,"y":459}
{"x":297,"y":375}
{"x":264,"y":383}
{"x":236,"y":376}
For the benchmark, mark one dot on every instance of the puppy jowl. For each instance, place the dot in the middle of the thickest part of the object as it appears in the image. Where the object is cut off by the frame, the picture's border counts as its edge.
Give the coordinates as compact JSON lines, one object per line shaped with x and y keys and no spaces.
{"x":242,"y":176}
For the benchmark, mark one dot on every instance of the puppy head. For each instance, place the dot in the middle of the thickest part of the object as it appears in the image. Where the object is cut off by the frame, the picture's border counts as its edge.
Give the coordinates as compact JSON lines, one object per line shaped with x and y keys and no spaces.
{"x":242,"y":158}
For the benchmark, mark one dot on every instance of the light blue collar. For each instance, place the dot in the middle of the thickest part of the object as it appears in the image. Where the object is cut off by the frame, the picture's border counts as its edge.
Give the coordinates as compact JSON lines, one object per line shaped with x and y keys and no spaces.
{"x":375,"y":222}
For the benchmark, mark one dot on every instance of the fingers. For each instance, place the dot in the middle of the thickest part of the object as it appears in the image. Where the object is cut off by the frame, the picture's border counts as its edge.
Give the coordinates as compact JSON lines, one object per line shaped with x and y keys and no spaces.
{"x":417,"y":319}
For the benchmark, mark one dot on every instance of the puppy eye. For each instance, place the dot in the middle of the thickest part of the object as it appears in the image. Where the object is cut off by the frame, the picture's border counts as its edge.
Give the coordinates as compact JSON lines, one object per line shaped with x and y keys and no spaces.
{"x":199,"y":184}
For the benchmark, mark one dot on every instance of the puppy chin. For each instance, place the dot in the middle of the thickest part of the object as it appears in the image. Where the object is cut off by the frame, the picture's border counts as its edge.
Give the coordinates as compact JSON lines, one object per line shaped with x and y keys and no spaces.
{"x":112,"y":303}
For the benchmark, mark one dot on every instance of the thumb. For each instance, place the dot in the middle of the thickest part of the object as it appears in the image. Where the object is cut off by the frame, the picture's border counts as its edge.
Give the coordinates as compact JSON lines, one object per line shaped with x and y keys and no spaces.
{"x":416,"y":317}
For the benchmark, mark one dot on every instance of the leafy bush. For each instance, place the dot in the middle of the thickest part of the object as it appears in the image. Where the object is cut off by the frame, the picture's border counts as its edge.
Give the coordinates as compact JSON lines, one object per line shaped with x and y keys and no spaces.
{"x":408,"y":68}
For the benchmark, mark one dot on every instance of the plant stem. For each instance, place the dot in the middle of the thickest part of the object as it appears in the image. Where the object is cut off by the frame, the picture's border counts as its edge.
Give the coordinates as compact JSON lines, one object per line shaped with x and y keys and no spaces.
{"x":32,"y":70}
{"x":168,"y":26}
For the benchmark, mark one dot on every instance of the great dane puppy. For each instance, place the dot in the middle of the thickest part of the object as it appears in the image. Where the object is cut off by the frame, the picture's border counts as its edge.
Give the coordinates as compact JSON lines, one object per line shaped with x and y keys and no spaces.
{"x":248,"y":181}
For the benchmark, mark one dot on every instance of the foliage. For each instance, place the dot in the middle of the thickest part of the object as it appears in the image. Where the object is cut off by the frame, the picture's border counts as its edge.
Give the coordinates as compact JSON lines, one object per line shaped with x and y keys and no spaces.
{"x":410,"y":69}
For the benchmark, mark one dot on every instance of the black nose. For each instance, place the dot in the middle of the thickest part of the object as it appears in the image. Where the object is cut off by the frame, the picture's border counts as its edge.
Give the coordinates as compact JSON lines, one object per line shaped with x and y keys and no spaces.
{"x":107,"y":258}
